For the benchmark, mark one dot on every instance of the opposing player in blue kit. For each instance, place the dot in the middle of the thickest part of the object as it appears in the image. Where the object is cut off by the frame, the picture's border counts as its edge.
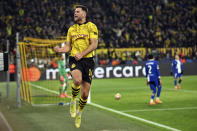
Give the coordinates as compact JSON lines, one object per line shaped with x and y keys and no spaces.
{"x":153,"y":79}
{"x":177,"y":71}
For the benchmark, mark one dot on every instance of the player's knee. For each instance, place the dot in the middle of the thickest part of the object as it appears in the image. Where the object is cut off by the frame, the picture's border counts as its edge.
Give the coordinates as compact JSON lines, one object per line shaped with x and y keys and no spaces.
{"x":77,"y":82}
{"x":154,"y":91}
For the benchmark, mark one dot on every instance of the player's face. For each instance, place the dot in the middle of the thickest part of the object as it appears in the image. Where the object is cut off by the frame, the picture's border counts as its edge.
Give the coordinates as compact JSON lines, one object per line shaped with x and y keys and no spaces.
{"x":79,"y":14}
{"x":176,"y":57}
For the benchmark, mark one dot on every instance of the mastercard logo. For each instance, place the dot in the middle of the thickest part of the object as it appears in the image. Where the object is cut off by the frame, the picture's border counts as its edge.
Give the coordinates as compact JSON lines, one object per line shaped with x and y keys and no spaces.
{"x":30,"y":74}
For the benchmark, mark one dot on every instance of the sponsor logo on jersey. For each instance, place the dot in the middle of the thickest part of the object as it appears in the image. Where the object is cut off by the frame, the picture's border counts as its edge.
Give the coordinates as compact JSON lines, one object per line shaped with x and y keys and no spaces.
{"x":80,"y":36}
{"x":73,"y":66}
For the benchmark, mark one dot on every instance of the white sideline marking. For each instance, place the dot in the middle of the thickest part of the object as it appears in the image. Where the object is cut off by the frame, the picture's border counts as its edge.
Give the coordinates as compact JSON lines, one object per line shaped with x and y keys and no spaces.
{"x":6,"y":122}
{"x":170,"y":89}
{"x":165,"y":109}
{"x":182,"y":90}
{"x":39,"y":105}
{"x":117,"y":112}
{"x":134,"y":117}
{"x":45,"y":89}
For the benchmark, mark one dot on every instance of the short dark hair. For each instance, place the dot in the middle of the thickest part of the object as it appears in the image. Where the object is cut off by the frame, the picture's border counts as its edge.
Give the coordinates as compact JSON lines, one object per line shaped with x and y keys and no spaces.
{"x":150,"y":56}
{"x":83,"y":7}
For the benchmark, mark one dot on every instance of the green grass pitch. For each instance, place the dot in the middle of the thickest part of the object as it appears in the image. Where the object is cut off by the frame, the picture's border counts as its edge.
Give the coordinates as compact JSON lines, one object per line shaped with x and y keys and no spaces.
{"x":179,"y":108}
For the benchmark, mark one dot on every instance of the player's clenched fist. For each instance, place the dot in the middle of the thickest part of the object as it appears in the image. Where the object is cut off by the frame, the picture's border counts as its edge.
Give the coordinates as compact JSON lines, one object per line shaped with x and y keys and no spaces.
{"x":57,"y":49}
{"x":78,"y":56}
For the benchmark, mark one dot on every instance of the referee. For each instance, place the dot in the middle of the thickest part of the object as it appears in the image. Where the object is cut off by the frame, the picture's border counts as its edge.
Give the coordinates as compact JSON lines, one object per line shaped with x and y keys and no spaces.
{"x":82,"y":40}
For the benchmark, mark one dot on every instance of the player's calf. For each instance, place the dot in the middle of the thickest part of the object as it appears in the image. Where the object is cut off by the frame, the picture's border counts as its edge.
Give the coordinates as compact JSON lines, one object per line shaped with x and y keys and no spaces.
{"x":152,"y":99}
{"x":61,"y":78}
{"x":179,"y":84}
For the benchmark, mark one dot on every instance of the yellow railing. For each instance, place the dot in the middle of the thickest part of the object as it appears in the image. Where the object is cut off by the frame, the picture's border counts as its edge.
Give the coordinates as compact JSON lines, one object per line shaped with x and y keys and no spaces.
{"x":145,"y":51}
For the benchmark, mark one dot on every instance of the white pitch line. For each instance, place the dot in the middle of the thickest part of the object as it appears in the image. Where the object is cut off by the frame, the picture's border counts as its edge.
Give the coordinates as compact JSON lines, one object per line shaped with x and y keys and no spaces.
{"x":118,"y":112}
{"x":182,"y":90}
{"x":171,"y":89}
{"x":134,"y":117}
{"x":6,"y":122}
{"x":165,"y":109}
{"x":42,"y":105}
{"x":45,"y":89}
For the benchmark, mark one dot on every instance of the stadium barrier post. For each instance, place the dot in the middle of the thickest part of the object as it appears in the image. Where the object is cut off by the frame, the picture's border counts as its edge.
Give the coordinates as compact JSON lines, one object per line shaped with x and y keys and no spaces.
{"x":18,"y":71}
{"x":64,"y":55}
{"x":8,"y":71}
{"x":89,"y":97}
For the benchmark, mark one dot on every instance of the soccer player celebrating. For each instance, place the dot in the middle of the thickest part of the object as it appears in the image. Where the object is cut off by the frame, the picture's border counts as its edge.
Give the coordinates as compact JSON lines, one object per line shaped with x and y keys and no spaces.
{"x":82,"y":40}
{"x":177,"y":70}
{"x":153,"y":79}
{"x":62,"y":77}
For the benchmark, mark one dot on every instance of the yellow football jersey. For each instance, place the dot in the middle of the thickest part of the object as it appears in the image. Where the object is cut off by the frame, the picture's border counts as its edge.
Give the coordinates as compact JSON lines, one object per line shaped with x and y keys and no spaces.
{"x":79,"y":37}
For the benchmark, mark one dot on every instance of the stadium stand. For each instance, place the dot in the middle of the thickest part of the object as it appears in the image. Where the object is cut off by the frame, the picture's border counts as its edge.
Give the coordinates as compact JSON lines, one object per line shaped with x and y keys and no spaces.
{"x":122,"y":24}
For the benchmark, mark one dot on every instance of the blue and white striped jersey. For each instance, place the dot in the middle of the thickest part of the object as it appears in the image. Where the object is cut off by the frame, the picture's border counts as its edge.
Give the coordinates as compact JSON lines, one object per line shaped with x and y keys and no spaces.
{"x":177,"y":66}
{"x":152,"y":71}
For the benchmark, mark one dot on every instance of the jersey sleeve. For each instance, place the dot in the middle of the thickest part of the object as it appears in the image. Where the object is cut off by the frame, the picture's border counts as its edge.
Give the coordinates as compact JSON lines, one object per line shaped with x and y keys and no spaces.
{"x":181,"y":67}
{"x":172,"y":66}
{"x":93,"y":31}
{"x":68,"y":37}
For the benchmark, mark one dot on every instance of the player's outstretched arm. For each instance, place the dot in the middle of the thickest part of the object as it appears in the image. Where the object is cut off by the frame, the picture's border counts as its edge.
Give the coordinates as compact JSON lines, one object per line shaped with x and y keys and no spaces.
{"x":93,"y":46}
{"x":63,"y":49}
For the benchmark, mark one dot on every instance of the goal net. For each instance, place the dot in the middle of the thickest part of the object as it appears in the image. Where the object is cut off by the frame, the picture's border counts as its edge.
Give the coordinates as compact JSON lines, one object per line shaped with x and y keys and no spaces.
{"x":40,"y":81}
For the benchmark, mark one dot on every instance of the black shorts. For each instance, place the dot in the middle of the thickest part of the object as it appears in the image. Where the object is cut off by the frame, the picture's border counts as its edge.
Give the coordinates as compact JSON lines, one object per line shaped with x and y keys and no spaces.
{"x":85,"y":65}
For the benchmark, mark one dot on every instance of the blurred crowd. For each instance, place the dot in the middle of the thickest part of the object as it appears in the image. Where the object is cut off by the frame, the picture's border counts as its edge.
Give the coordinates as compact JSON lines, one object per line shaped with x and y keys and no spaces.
{"x":148,"y":23}
{"x":113,"y":57}
{"x":121,"y":23}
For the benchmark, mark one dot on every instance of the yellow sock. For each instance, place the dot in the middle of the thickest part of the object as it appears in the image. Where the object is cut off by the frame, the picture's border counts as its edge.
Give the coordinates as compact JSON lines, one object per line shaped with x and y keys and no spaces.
{"x":82,"y":103}
{"x":75,"y":91}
